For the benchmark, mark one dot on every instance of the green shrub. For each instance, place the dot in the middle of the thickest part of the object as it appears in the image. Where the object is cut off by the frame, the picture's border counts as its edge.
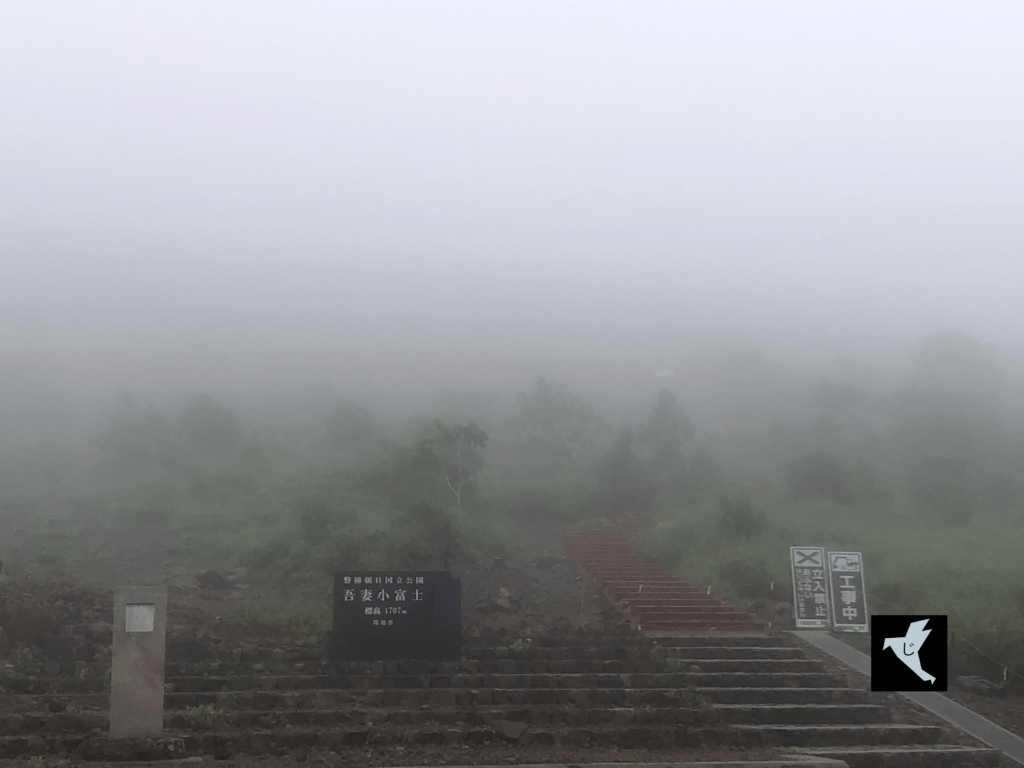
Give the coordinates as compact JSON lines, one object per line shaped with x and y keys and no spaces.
{"x":670,"y":542}
{"x":738,"y":520}
{"x":290,"y":621}
{"x":266,"y":555}
{"x":944,"y":491}
{"x":820,"y":476}
{"x":201,"y":717}
{"x":750,"y":578}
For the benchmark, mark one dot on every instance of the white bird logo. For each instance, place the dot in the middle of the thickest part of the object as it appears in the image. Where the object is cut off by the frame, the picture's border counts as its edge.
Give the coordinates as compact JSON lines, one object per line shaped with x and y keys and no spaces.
{"x":907,"y":648}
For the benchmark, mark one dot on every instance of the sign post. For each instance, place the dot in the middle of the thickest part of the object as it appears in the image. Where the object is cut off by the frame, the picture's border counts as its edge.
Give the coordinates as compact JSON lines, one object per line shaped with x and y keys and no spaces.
{"x":810,"y":591}
{"x":137,"y":668}
{"x":846,"y":579}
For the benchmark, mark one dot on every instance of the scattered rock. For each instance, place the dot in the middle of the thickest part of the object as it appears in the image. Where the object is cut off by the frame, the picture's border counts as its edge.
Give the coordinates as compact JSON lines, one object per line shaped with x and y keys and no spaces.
{"x":510,"y":729}
{"x":503,"y":602}
{"x":213,"y":580}
{"x":26,"y":622}
{"x":101,"y":629}
{"x":121,"y":750}
{"x":784,"y":609}
{"x":979,"y":685}
{"x":186,"y":650}
{"x":504,"y":592}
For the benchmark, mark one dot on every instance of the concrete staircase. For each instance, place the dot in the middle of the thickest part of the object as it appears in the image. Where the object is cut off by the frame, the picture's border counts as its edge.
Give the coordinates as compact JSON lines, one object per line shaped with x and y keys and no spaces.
{"x":574,"y":689}
{"x":710,"y":678}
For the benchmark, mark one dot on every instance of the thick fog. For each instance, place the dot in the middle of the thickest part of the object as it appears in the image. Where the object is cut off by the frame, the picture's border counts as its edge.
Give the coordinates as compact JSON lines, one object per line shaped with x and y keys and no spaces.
{"x":395,"y":201}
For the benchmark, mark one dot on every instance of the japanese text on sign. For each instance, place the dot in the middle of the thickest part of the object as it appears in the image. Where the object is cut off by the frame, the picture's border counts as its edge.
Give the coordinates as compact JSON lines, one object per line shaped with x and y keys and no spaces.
{"x":846,"y":576}
{"x":810,"y":587}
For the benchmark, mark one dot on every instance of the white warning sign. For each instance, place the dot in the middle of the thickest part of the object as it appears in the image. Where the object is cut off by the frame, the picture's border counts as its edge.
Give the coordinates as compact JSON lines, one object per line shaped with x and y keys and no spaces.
{"x":810,"y":587}
{"x":849,"y":603}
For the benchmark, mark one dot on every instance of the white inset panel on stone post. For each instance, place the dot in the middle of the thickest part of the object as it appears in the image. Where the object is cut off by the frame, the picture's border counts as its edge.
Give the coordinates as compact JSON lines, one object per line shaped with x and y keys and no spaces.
{"x":139,"y":617}
{"x":137,"y":667}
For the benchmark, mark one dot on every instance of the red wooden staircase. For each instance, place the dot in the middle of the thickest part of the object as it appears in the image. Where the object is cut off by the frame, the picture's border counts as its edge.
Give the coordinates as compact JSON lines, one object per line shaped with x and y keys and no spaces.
{"x":653,"y":600}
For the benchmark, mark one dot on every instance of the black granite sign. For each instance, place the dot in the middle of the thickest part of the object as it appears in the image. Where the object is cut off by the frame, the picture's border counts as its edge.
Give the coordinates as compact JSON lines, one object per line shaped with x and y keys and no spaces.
{"x":384,"y":615}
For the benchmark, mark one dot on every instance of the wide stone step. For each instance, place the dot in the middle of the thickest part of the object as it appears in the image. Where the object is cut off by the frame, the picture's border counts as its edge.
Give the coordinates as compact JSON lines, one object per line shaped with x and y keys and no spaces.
{"x":763,"y":679}
{"x":225,"y":745}
{"x":368,"y":682}
{"x":803,"y":714}
{"x":527,"y":681}
{"x":698,"y":653}
{"x":732,"y":641}
{"x":521,"y":663}
{"x":749,"y":665}
{"x":912,"y":756}
{"x":90,"y":712}
{"x":456,"y":717}
{"x":438,"y":697}
{"x":280,"y":742}
{"x":53,"y":685}
{"x":837,"y":735}
{"x":774,"y":695}
{"x":47,"y":723}
{"x":581,"y":652}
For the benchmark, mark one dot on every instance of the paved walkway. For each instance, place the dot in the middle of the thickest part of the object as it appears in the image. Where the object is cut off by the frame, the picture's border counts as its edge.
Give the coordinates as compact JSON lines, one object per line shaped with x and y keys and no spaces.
{"x":984,"y":730}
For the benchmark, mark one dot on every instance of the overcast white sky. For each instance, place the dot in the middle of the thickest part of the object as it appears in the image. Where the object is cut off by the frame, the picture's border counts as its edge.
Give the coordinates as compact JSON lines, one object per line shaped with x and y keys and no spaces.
{"x":203,"y":185}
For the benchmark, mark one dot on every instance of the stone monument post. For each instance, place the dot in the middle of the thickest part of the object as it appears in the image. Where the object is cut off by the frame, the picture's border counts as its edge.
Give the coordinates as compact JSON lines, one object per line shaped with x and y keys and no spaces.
{"x":137,"y":666}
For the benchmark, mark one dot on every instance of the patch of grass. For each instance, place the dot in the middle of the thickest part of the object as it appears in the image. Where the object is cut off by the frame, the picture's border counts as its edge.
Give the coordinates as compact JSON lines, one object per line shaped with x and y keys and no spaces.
{"x":285,"y":620}
{"x":201,"y":717}
{"x":209,"y":666}
{"x":971,"y":573}
{"x":22,"y":661}
{"x":677,"y":665}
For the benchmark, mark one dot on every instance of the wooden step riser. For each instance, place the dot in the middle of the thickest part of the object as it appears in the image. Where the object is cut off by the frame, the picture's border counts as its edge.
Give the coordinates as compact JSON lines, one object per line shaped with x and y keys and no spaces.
{"x":692,"y":618}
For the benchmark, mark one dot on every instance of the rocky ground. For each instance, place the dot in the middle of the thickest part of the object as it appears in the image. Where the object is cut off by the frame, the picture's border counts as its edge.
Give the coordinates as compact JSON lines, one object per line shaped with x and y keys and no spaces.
{"x":56,"y":612}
